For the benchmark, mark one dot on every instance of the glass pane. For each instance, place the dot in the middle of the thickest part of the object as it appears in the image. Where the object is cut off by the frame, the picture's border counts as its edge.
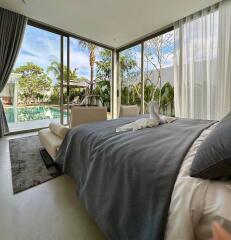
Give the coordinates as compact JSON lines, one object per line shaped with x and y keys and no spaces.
{"x":103,"y":80}
{"x":66,"y":109}
{"x":31,"y":96}
{"x":90,"y":70}
{"x":159,"y":73}
{"x":130,"y":76}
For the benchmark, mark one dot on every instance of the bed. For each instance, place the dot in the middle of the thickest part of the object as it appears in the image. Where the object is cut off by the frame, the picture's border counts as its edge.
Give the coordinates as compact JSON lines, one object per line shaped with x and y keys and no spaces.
{"x":136,"y":185}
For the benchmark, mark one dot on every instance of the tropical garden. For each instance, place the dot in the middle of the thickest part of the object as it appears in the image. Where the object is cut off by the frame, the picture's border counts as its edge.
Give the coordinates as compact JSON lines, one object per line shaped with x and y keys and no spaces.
{"x":37,"y":86}
{"x":157,"y":87}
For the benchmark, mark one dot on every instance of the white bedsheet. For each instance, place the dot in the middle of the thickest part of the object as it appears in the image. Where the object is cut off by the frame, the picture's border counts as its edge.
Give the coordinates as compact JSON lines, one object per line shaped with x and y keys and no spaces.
{"x":196,"y":203}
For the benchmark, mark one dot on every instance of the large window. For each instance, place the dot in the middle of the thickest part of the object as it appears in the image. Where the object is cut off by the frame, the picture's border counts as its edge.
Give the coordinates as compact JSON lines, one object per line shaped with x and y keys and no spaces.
{"x":55,"y":71}
{"x":32,"y":95}
{"x":130,"y":76}
{"x":158,"y":72}
{"x":90,"y":74}
{"x":152,"y":79}
{"x":52,"y":73}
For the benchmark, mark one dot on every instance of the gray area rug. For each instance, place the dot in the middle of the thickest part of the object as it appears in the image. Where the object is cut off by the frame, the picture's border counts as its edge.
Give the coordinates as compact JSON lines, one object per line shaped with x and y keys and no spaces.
{"x":27,"y":165}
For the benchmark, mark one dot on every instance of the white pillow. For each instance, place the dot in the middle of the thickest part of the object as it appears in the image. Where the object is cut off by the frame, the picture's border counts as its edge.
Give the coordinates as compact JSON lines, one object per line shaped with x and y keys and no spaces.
{"x":58,"y":129}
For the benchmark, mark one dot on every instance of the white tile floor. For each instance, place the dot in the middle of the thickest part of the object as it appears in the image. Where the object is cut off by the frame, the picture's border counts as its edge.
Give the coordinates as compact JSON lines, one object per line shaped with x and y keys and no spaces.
{"x":50,"y":211}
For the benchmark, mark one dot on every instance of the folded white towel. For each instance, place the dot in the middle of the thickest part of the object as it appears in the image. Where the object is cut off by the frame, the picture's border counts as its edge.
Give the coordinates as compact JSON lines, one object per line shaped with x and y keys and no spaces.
{"x":166,"y":119}
{"x":154,"y":110}
{"x":154,"y":120}
{"x":138,"y":124}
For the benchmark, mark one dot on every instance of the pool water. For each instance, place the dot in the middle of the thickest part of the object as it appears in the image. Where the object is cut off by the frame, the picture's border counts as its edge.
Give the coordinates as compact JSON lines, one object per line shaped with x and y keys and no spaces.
{"x":23,"y":114}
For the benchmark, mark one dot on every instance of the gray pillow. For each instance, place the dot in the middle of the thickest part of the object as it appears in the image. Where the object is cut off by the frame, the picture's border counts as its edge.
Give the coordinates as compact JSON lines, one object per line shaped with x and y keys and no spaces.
{"x":213,"y":158}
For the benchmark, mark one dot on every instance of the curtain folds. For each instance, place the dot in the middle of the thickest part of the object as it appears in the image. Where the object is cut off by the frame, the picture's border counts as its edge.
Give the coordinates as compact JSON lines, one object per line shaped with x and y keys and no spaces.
{"x":3,"y":123}
{"x":12,"y":27}
{"x":202,"y":69}
{"x":224,"y":58}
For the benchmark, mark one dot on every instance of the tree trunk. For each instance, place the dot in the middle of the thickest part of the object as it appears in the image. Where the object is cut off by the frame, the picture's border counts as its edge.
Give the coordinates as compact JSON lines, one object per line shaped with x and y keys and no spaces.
{"x":159,"y":76}
{"x":92,"y":79}
{"x":92,"y":62}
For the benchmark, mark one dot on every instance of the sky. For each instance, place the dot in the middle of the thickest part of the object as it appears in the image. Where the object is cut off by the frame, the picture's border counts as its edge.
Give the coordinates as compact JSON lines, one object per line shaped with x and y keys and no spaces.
{"x":168,"y":50}
{"x":42,"y":47}
{"x":149,"y":70}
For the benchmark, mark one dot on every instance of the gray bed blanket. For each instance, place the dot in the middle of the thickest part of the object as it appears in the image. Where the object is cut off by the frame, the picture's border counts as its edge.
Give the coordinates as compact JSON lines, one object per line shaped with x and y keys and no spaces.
{"x":126,"y":179}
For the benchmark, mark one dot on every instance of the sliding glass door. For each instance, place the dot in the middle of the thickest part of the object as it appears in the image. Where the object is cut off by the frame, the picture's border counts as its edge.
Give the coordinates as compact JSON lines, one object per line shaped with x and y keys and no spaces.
{"x":65,"y":79}
{"x":53,"y":72}
{"x":159,"y":72}
{"x":146,"y":74}
{"x":32,"y":94}
{"x":90,"y":74}
{"x":130,"y":76}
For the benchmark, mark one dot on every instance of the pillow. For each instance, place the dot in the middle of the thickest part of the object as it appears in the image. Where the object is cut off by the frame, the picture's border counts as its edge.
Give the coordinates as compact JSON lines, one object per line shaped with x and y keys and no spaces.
{"x":129,"y":111}
{"x":58,"y":129}
{"x":213,"y":158}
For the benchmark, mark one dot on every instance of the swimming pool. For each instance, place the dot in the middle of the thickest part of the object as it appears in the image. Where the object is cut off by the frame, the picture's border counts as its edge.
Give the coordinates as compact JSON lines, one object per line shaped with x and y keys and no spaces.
{"x":31,"y":113}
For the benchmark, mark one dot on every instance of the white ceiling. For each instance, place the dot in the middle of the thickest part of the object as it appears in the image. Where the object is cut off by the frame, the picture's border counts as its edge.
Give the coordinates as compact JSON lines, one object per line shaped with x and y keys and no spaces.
{"x":111,"y":22}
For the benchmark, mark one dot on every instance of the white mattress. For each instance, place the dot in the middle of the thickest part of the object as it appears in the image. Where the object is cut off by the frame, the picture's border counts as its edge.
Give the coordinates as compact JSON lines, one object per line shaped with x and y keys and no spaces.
{"x":196,"y":203}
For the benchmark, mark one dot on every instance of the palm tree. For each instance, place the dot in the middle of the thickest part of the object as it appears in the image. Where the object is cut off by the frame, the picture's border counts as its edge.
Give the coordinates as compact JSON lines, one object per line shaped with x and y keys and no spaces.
{"x":127,"y":65}
{"x":55,"y":67}
{"x":103,"y":65}
{"x":91,"y":48}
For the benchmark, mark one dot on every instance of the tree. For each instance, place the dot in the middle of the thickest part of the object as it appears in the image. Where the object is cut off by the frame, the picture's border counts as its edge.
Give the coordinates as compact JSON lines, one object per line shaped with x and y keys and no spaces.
{"x":130,"y":88}
{"x":34,"y":83}
{"x":128,"y":65}
{"x":55,"y":67}
{"x":104,"y":66}
{"x":104,"y":72}
{"x":103,"y":90}
{"x":151,"y":92}
{"x":167,"y":97}
{"x":91,"y":49}
{"x":103,"y":77}
{"x":157,"y":52}
{"x":82,"y":79}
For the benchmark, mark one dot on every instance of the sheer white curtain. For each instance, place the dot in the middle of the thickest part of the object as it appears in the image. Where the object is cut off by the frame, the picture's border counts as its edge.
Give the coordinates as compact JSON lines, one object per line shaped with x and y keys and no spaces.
{"x":202,"y":64}
{"x":224,"y":59}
